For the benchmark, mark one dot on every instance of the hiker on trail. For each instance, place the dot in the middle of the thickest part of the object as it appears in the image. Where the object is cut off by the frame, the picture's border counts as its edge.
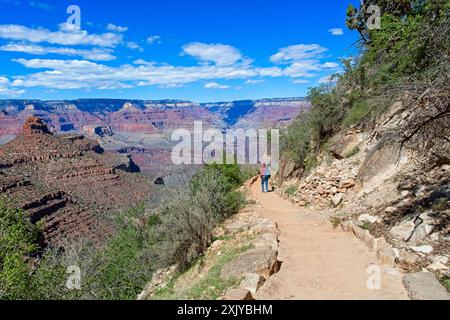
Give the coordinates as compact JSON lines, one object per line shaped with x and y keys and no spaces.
{"x":265,"y":175}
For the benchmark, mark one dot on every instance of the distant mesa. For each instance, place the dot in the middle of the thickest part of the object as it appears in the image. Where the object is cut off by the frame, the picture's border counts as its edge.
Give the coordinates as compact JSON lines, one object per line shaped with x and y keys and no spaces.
{"x":98,"y":130}
{"x":34,"y":125}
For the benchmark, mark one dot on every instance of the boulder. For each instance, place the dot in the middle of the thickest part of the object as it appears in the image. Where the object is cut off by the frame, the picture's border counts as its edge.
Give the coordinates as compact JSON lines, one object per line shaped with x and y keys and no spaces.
{"x":439,"y":259}
{"x":252,"y":282}
{"x":424,"y":227}
{"x":337,"y":199}
{"x":390,"y":210}
{"x":387,"y":255}
{"x":403,"y":230}
{"x":381,"y":162}
{"x":343,"y":143}
{"x":424,"y":286}
{"x":266,"y":240}
{"x":408,"y":257}
{"x":437,"y":266}
{"x":238,"y":295}
{"x":262,"y":261}
{"x":422,"y":249}
{"x":368,"y":218}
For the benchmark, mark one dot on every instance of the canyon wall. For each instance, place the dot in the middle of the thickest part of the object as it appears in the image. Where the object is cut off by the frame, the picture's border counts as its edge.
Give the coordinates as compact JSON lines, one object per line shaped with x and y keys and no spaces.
{"x":147,"y":117}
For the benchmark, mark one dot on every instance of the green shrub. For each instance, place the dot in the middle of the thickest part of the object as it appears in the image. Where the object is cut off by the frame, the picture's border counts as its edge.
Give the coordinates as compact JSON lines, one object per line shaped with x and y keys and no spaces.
{"x":186,"y":226}
{"x":352,"y":152}
{"x":357,"y":113}
{"x":17,"y":245}
{"x":446,"y":282}
{"x":291,"y":191}
{"x":336,"y":222}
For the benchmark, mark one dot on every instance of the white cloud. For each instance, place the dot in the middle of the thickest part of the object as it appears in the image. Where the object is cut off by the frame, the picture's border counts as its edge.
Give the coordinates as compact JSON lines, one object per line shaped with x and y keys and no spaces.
{"x":65,"y":36}
{"x":254,"y":81}
{"x":215,"y":85}
{"x":336,"y":31}
{"x":133,"y":46}
{"x":298,"y":52}
{"x":5,"y":89}
{"x":69,"y":74}
{"x":303,"y":68}
{"x":114,"y":28}
{"x":153,"y":39}
{"x":302,"y":61}
{"x":219,"y":54}
{"x":330,"y":65}
{"x":94,"y":54}
{"x":217,"y":63}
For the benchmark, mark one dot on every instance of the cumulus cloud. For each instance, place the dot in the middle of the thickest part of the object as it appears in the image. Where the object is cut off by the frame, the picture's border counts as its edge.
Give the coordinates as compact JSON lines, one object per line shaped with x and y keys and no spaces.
{"x":219,"y":54}
{"x":153,"y":39}
{"x":303,"y":68}
{"x":76,"y":74}
{"x":64,"y":36}
{"x":94,"y":54}
{"x":336,"y":31}
{"x":215,"y":85}
{"x":133,"y":46}
{"x":302,"y":61}
{"x":298,"y":52}
{"x":5,"y":89}
{"x":216,"y":63}
{"x":114,"y":28}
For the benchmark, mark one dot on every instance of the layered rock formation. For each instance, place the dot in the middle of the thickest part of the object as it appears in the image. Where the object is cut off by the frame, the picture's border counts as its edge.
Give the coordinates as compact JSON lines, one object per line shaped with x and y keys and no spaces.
{"x":146,"y":116}
{"x":67,"y":183}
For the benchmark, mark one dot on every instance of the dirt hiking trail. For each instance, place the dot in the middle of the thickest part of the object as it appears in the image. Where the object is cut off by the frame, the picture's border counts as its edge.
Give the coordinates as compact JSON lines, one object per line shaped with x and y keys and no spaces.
{"x":319,"y":262}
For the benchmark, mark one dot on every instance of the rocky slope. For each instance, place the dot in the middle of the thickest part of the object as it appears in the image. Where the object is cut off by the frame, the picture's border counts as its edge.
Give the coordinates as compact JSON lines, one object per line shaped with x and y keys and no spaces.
{"x":235,"y":267}
{"x":67,"y":183}
{"x":383,"y":194}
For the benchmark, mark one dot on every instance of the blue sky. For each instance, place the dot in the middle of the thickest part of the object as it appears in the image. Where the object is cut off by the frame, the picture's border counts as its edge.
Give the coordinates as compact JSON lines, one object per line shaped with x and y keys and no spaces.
{"x":194,"y":50}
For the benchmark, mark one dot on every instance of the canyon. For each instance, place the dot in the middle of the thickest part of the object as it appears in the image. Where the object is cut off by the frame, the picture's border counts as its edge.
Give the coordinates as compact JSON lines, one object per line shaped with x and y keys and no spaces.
{"x":141,"y":128}
{"x":72,"y":165}
{"x":67,"y":184}
{"x":147,"y":116}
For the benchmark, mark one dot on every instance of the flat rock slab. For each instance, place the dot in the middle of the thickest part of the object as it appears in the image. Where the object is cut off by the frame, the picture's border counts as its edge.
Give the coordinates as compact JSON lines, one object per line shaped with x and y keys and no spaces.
{"x":262,"y":261}
{"x":238,"y":295}
{"x":425,"y":286}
